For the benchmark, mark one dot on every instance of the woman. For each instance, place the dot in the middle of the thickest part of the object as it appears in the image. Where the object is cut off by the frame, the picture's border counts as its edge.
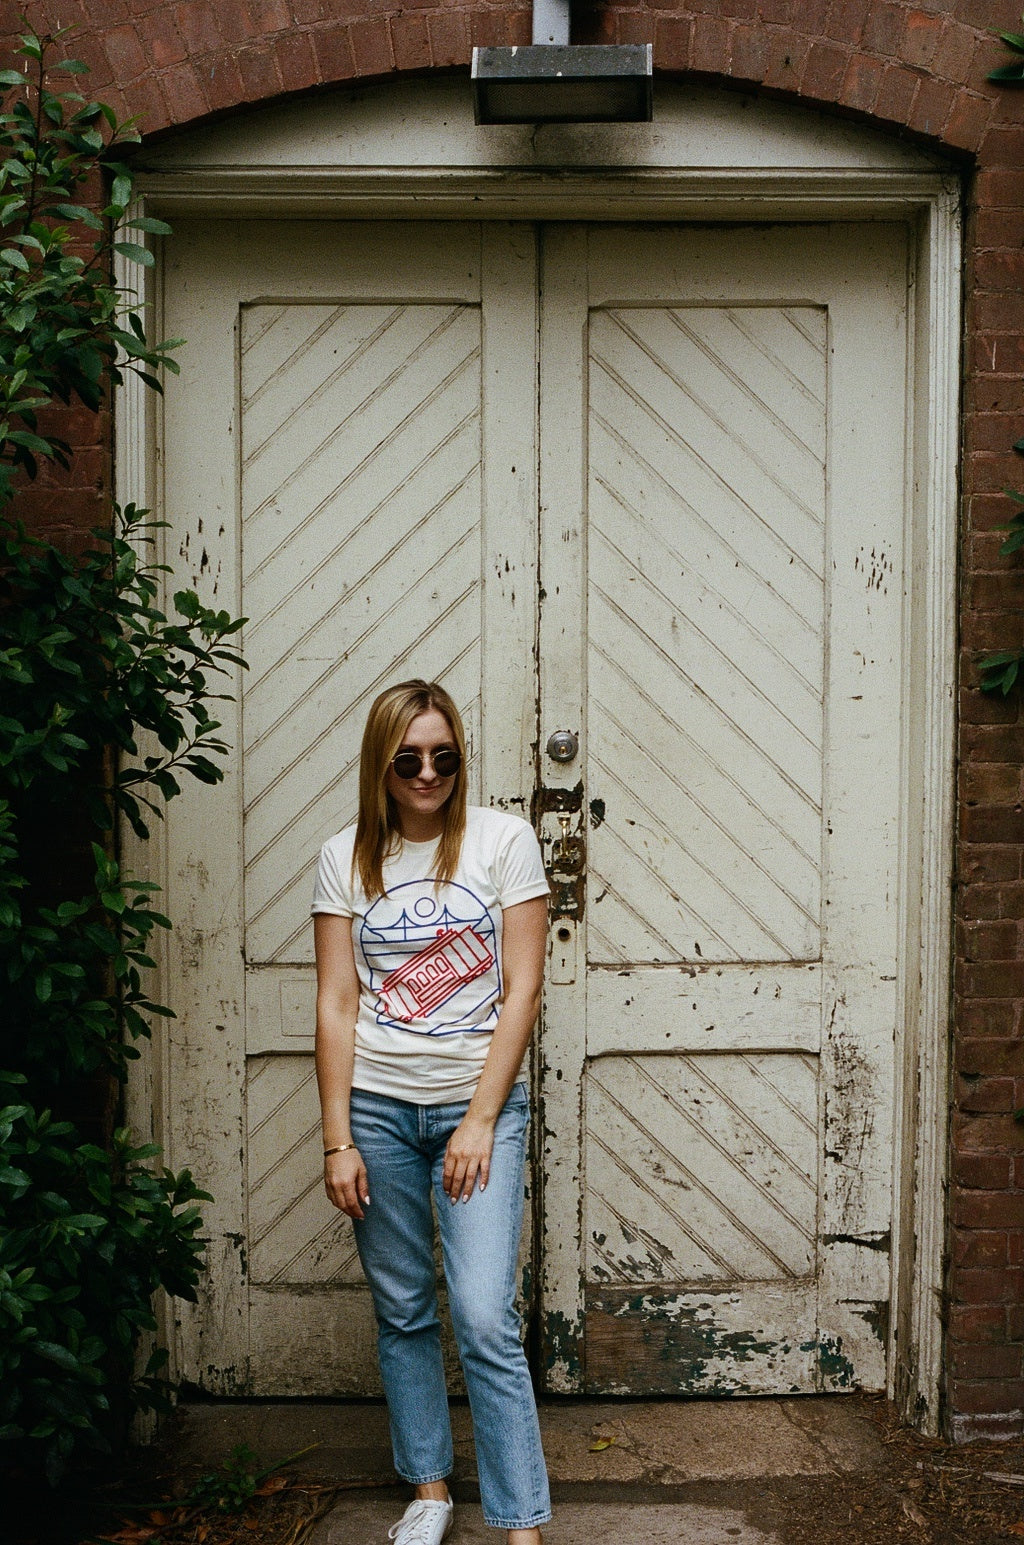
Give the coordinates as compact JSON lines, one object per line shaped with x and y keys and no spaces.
{"x":430,"y":928}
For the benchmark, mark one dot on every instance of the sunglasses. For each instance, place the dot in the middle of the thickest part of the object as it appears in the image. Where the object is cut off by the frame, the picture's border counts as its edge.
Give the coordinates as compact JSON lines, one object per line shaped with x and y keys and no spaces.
{"x":409,"y":764}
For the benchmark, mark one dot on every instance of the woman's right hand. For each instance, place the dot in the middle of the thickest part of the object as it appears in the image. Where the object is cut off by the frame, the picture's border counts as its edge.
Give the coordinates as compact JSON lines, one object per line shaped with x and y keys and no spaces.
{"x":345,"y":1182}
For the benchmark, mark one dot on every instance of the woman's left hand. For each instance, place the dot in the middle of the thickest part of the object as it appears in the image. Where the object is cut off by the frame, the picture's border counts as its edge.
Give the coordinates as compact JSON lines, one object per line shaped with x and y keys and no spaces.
{"x":467,"y":1158}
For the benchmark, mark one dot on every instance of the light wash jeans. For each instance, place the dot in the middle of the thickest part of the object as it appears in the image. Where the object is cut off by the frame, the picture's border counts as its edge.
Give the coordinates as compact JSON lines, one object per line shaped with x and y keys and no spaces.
{"x":403,"y":1148}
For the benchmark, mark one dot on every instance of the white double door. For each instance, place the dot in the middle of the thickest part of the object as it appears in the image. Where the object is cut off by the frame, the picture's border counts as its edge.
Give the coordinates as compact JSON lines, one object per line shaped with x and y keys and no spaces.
{"x":684,"y":548}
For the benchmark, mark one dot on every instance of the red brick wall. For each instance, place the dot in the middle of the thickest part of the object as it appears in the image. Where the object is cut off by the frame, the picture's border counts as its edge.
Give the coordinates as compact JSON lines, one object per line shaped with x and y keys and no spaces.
{"x":919,"y":68}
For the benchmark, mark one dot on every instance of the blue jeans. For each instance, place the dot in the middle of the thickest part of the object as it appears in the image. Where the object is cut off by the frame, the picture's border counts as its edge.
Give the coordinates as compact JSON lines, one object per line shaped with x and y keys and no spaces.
{"x":403,"y":1148}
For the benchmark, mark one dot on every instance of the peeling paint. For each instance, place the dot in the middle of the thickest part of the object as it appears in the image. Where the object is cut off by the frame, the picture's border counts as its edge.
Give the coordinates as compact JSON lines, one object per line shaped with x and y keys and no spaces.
{"x":834,"y":1367}
{"x":563,"y":1343}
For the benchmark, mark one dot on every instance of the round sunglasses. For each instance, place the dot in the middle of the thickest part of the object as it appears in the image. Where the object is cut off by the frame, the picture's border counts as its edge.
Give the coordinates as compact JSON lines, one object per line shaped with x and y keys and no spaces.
{"x":409,"y":764}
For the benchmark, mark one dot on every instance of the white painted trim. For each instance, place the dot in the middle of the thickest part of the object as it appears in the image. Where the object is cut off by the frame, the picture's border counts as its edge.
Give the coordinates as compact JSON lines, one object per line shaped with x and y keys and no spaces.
{"x":929,"y":203}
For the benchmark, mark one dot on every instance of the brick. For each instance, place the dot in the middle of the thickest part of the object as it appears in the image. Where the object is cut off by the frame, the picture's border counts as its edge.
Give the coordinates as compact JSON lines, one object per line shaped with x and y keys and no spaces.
{"x":921,"y":34}
{"x":977,"y":1323}
{"x":954,"y":52}
{"x":783,"y":12}
{"x":896,"y":94}
{"x":824,"y":70}
{"x":223,"y":80}
{"x":932,"y":106}
{"x":883,"y":29}
{"x":1015,"y":1322}
{"x":999,"y":313}
{"x":845,"y":20}
{"x":749,"y":59}
{"x":449,"y":38}
{"x":127,"y":56}
{"x":371,"y":47}
{"x":987,"y":1397}
{"x":986,"y":1362}
{"x":986,"y":1095}
{"x":196,"y":20}
{"x":996,"y":271}
{"x":787,"y":60}
{"x":862,"y":82}
{"x":633,"y":27}
{"x":411,"y":44}
{"x":672,"y":42}
{"x":296,"y":61}
{"x":992,"y":1210}
{"x":988,"y":1287}
{"x":144,"y":101}
{"x":307,"y":13}
{"x":993,"y":979}
{"x":989,"y":1021}
{"x":989,"y":863}
{"x":987,"y":1134}
{"x":186,"y":97}
{"x":258,"y":68}
{"x":989,"y":941}
{"x":709,"y":45}
{"x":1015,"y":1241}
{"x":989,"y":782}
{"x":333,"y":54}
{"x":1003,"y":146}
{"x":161,"y":40}
{"x":985,"y":1249}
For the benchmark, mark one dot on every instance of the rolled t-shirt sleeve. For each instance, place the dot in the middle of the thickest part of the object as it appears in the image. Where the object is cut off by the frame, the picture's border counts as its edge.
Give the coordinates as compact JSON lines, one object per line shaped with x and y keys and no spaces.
{"x":331,"y":890}
{"x":520,"y":867}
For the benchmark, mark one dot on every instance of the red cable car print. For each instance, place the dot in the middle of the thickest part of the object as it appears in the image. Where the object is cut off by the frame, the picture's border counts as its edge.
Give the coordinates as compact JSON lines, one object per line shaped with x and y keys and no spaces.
{"x":455,"y":957}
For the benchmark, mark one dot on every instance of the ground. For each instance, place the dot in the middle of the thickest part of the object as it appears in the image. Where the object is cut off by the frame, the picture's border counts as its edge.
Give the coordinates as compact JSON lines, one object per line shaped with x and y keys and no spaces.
{"x":814,"y":1471}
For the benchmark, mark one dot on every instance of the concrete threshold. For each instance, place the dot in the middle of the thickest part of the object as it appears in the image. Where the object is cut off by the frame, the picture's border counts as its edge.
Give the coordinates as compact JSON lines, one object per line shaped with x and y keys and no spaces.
{"x":639,"y":1444}
{"x":656,"y":1472}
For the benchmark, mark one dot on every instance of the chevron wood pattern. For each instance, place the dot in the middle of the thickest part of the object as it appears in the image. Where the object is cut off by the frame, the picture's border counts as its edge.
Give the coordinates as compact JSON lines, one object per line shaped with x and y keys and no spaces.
{"x":706,"y":571}
{"x":361,"y":563}
{"x":701,"y":1168}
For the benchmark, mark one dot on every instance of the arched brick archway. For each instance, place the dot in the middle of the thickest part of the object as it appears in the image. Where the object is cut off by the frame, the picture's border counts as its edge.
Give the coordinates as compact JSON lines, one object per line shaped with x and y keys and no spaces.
{"x":915,"y":69}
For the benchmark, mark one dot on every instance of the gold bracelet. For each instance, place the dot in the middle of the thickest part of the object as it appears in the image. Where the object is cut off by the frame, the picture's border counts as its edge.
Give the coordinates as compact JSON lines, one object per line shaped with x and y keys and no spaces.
{"x":341,"y":1148}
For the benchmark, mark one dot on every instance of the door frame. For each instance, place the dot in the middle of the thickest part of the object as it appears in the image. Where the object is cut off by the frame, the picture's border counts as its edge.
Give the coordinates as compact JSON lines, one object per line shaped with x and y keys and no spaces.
{"x":929,"y":203}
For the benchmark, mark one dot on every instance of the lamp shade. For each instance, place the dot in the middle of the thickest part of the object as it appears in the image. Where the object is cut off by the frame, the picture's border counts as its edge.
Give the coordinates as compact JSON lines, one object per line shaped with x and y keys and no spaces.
{"x":563,"y":83}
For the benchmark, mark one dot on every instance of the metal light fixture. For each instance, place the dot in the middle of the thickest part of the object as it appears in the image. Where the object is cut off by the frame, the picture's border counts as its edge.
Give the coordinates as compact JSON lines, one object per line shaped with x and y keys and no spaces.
{"x":555,"y":81}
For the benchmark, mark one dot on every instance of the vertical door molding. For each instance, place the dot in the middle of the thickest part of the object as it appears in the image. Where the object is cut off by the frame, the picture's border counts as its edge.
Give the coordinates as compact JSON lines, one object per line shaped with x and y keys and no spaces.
{"x":929,"y":203}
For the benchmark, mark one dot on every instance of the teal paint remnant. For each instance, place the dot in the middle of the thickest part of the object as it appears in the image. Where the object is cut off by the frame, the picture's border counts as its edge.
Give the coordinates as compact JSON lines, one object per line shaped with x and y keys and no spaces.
{"x":834,"y":1367}
{"x":687,"y":1337}
{"x":563,"y":1343}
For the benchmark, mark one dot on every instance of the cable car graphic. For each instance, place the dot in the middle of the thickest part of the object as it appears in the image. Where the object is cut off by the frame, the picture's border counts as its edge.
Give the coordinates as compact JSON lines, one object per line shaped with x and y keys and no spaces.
{"x":455,"y":957}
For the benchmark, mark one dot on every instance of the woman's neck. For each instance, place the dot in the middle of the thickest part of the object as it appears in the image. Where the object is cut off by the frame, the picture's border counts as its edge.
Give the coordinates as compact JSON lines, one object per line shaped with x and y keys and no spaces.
{"x":425,"y":828}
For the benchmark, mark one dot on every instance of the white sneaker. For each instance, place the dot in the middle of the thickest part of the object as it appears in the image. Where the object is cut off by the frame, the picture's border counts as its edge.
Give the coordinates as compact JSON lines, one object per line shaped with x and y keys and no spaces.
{"x":423,"y":1523}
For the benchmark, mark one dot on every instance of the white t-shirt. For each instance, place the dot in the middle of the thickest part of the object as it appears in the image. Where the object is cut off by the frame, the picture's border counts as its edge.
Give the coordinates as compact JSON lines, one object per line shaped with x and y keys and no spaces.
{"x":429,"y":956}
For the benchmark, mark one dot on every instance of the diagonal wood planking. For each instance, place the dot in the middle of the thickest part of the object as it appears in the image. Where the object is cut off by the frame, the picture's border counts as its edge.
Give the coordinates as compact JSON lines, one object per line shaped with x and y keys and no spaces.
{"x":705,"y":625}
{"x":361,"y":562}
{"x":360,"y":478}
{"x":701,"y":1169}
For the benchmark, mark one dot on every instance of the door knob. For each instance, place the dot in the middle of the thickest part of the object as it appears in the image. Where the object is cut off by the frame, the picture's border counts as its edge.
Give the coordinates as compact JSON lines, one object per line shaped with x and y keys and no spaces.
{"x":563,"y":746}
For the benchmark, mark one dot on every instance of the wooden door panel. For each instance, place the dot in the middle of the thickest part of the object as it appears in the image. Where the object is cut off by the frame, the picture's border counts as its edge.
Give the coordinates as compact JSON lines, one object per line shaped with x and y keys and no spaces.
{"x":337,"y":401}
{"x":735,"y":946}
{"x":360,"y":478}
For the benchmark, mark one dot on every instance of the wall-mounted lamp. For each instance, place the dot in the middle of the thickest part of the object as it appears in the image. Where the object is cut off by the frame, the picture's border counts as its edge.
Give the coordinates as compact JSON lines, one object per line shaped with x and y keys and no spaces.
{"x":555,"y":81}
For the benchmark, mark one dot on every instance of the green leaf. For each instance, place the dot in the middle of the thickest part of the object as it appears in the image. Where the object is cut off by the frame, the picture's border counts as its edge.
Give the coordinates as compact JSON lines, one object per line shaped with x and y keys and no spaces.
{"x":134,"y":253}
{"x":151,"y":224}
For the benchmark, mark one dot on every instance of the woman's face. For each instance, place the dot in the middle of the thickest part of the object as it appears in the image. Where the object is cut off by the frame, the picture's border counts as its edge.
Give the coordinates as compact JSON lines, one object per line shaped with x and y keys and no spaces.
{"x":421,"y":800}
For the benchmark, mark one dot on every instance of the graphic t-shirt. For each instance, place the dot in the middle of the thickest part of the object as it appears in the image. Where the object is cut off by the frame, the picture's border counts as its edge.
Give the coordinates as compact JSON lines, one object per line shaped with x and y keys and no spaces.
{"x":429,"y":955}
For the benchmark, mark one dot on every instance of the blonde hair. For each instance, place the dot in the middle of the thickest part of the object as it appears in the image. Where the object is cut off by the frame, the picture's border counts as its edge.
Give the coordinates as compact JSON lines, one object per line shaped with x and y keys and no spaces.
{"x":378,"y":830}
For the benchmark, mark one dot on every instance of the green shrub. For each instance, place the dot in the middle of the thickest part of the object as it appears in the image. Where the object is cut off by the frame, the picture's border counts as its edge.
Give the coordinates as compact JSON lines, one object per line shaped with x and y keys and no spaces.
{"x":88,"y":664}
